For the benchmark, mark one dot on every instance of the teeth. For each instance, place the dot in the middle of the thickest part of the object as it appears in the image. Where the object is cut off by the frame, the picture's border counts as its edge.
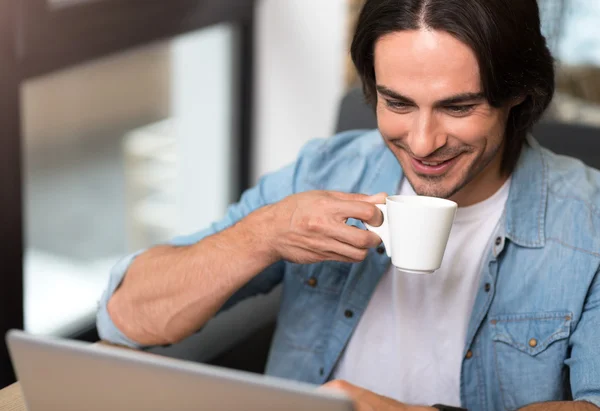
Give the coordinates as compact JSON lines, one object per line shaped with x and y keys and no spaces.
{"x":430,"y":164}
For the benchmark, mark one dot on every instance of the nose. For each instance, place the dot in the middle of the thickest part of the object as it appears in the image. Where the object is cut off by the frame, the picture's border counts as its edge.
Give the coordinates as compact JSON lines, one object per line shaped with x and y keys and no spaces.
{"x":425,"y":138}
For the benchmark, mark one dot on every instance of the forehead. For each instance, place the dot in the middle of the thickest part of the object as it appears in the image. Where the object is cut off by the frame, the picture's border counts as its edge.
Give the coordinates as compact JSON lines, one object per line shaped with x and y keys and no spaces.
{"x":424,"y":63}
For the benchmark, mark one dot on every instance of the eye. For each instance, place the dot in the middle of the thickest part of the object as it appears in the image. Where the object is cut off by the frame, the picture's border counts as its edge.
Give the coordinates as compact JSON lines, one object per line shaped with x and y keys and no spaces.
{"x":397,"y":105}
{"x":460,"y":110}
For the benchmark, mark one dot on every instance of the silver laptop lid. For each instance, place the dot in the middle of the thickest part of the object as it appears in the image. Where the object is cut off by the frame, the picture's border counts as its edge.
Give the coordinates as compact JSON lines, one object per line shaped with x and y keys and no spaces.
{"x":66,"y":375}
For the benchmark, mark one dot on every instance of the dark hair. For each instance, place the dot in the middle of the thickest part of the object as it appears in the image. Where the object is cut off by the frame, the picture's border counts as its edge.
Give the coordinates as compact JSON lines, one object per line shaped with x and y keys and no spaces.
{"x":505,"y":36}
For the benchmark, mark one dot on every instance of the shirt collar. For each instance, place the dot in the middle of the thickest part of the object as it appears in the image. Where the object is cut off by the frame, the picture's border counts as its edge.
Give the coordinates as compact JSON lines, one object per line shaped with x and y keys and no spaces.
{"x":526,"y":204}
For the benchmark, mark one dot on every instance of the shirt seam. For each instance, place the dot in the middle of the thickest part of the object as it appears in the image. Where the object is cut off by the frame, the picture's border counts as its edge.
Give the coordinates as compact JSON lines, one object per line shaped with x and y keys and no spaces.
{"x":543,"y":199}
{"x":583,"y":250}
{"x":480,"y":376}
{"x":499,"y":379}
{"x":505,"y":318}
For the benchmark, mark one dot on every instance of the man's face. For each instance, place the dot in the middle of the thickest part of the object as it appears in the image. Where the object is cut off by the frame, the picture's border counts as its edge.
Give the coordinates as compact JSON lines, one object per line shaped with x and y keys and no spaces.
{"x":433,"y":116}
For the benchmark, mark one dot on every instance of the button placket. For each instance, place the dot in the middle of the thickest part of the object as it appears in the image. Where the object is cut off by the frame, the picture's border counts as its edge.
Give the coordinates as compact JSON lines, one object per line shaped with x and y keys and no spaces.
{"x":498,"y":246}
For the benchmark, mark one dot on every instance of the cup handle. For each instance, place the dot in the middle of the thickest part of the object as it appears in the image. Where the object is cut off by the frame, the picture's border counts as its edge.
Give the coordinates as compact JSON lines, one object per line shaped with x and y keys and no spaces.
{"x":383,"y":231}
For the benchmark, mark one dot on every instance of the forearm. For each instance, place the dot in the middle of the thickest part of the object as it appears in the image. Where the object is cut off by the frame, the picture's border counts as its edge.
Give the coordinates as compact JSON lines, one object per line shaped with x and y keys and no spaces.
{"x":171,"y":292}
{"x":561,"y":406}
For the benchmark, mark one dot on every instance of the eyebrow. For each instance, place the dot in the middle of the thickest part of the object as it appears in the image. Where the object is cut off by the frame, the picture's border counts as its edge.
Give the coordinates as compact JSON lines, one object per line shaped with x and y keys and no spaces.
{"x":455,"y":99}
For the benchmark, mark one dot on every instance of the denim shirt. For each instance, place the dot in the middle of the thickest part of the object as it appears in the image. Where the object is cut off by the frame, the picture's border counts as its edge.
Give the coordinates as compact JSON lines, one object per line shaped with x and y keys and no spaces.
{"x":534,"y":332}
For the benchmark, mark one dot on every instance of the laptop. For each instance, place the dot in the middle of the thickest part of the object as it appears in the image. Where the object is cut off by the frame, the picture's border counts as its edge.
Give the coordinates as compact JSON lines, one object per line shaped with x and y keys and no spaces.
{"x":64,"y":375}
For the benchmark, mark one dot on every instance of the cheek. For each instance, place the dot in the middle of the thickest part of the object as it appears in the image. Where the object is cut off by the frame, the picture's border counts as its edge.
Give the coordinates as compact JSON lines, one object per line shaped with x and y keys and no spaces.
{"x":391,"y":124}
{"x":475,"y":130}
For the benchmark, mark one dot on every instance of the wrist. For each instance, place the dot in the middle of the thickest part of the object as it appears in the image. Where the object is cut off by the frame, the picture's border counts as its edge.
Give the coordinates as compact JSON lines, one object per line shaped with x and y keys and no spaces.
{"x":257,"y":232}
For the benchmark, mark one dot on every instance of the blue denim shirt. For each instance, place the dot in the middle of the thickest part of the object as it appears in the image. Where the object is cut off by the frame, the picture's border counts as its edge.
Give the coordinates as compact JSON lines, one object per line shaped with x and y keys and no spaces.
{"x":534,"y":332}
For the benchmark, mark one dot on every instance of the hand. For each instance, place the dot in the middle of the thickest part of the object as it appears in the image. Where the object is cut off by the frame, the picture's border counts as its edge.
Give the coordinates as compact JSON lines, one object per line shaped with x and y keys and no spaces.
{"x":311,"y":227}
{"x":365,"y":400}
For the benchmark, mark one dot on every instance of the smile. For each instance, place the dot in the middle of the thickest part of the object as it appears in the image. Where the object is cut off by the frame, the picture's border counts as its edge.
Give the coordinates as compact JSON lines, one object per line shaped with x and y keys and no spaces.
{"x":433,"y":168}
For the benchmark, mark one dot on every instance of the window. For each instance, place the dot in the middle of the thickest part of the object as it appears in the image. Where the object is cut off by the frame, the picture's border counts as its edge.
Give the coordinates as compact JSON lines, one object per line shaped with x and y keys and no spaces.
{"x":120,"y":154}
{"x":571,"y":29}
{"x":118,"y":127}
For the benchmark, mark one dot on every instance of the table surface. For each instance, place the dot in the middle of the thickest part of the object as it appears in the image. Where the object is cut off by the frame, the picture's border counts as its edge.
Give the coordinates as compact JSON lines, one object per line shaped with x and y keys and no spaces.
{"x":11,"y":397}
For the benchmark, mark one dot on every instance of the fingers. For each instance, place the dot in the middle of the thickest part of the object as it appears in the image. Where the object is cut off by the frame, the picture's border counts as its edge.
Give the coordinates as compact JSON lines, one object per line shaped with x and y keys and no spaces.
{"x":343,"y":386}
{"x":360,"y":210}
{"x":364,"y":399}
{"x":336,"y":250}
{"x":356,"y":237}
{"x":341,"y":258}
{"x":375,"y":217}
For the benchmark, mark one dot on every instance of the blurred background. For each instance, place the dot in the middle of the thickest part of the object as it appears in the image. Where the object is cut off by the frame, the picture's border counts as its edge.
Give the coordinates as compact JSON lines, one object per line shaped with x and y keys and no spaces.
{"x":126,"y":123}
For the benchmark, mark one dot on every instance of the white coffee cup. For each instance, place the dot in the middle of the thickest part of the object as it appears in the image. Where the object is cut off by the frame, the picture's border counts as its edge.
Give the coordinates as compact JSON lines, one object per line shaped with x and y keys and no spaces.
{"x":415,"y":231}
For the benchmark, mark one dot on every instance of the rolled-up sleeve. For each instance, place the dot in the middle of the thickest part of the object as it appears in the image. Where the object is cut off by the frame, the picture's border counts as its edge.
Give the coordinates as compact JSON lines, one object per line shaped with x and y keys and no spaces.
{"x":107,"y":330}
{"x":584,"y":362}
{"x":270,"y":189}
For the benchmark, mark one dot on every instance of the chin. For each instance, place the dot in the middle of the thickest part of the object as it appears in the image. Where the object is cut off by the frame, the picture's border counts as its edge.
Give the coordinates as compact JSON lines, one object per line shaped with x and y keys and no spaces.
{"x":439,"y":192}
{"x":442,"y":188}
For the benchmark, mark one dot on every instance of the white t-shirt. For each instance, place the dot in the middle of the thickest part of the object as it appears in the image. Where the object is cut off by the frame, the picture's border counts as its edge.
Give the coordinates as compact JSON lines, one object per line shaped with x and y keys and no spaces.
{"x":409,"y":343}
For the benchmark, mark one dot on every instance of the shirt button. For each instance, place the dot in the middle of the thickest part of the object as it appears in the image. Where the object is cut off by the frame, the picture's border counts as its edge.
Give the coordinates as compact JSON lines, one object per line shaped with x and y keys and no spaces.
{"x":487,"y":287}
{"x":469,"y":354}
{"x":498,"y":240}
{"x":312,"y":282}
{"x":380,"y":250}
{"x":533,"y":343}
{"x":348,"y":313}
{"x":321,"y":371}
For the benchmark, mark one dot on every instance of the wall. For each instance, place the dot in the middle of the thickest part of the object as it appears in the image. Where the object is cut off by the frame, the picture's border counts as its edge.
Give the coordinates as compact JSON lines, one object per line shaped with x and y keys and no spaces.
{"x":301,"y":50}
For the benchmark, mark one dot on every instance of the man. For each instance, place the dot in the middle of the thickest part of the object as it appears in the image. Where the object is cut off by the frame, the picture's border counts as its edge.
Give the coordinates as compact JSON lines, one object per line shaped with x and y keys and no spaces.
{"x":512,"y":318}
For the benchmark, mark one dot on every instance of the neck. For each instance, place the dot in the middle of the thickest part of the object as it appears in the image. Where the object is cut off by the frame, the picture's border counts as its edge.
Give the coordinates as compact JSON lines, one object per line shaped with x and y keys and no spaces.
{"x":483,"y":186}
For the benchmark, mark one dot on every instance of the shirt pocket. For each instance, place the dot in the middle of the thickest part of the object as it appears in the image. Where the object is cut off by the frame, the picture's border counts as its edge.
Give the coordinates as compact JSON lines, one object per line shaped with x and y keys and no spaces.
{"x":530,"y":350}
{"x":309,"y":302}
{"x":328,"y":277}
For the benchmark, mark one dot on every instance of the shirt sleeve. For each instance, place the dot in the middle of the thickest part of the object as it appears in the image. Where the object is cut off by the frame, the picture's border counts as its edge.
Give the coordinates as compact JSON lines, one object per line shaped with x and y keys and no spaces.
{"x":584,"y":362}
